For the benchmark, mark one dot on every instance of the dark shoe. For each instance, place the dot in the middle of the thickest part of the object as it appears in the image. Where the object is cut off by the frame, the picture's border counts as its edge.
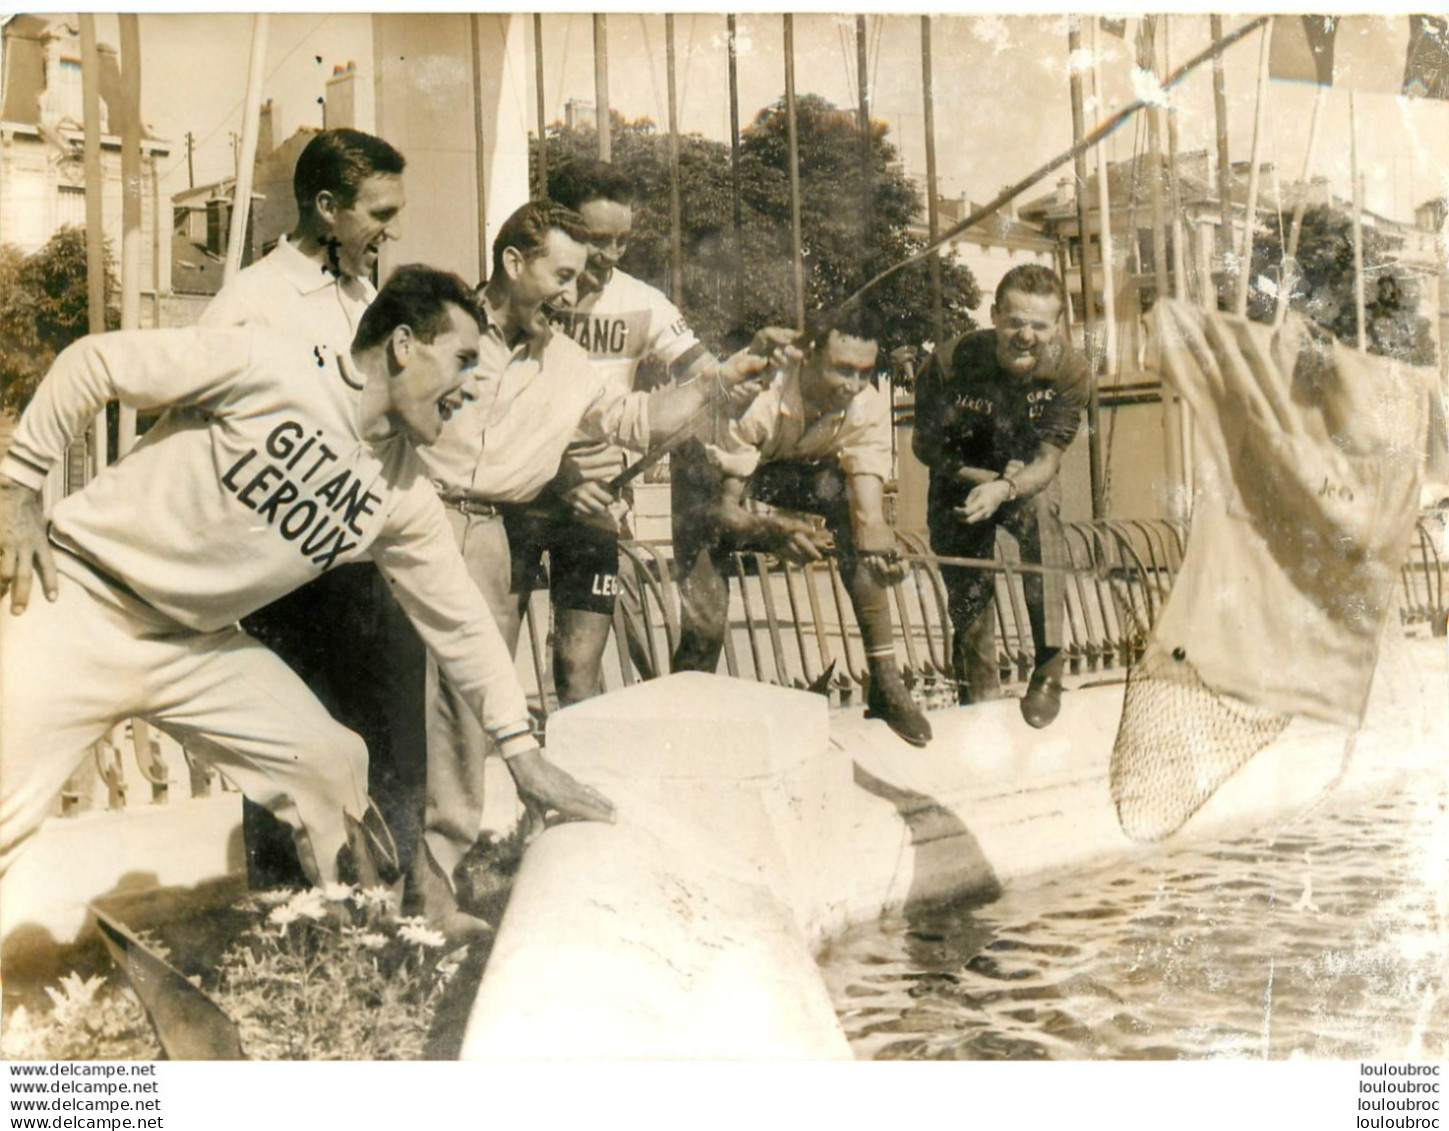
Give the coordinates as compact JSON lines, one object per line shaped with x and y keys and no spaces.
{"x":889,"y":700}
{"x":1043,"y":699}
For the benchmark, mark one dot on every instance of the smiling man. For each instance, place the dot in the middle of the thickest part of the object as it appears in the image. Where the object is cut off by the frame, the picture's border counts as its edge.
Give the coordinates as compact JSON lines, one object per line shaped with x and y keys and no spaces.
{"x":349,"y":191}
{"x":299,"y":459}
{"x":995,"y":411}
{"x":817,"y":440}
{"x":315,"y":284}
{"x":537,"y":392}
{"x":622,"y":322}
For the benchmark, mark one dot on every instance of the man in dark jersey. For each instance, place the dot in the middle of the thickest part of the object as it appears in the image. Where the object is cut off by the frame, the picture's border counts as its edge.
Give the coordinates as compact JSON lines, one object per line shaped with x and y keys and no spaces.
{"x":995,"y":411}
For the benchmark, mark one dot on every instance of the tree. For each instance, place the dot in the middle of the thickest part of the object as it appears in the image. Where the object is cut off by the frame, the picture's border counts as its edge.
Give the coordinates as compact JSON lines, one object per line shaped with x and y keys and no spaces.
{"x":837,"y":256}
{"x":1324,"y":289}
{"x":44,"y":306}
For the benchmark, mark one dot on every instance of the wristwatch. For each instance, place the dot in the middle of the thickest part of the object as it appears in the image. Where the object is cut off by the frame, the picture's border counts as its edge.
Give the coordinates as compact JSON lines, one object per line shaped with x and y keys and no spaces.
{"x":1011,"y":483}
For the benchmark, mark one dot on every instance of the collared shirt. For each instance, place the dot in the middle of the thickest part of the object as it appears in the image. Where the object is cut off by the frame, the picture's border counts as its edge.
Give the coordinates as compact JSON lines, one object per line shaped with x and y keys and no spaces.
{"x":288,"y":292}
{"x":532,"y":399}
{"x":207,"y":523}
{"x":776,"y":427}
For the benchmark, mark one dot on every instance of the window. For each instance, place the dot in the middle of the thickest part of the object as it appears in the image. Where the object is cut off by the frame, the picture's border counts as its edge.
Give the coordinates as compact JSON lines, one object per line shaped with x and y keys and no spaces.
{"x":72,"y":207}
{"x":67,"y":91}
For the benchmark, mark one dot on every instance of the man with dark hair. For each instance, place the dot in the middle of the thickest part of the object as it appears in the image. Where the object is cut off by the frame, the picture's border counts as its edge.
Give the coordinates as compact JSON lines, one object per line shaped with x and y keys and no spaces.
{"x":295,"y":460}
{"x":537,"y":391}
{"x":817,"y":439}
{"x":995,"y":411}
{"x":349,"y":194}
{"x":315,"y":284}
{"x":621,"y":322}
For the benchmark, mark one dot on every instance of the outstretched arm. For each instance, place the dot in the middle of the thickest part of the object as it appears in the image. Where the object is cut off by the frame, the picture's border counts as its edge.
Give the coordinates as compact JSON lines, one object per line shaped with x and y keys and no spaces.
{"x":420,"y":559}
{"x":791,"y":538}
{"x":674,"y":407}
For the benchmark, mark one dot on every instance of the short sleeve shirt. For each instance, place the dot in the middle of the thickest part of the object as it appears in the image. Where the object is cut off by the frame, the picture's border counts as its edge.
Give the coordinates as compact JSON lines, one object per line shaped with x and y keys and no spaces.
{"x":983,"y":416}
{"x":626,"y":322}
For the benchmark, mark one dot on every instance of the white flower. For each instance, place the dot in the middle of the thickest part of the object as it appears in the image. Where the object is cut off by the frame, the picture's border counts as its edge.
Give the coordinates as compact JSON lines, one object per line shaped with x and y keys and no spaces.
{"x":416,"y":931}
{"x":283,"y":916}
{"x":378,"y":896}
{"x":272,"y":897}
{"x":308,"y":904}
{"x":337,"y":893}
{"x":372,"y":940}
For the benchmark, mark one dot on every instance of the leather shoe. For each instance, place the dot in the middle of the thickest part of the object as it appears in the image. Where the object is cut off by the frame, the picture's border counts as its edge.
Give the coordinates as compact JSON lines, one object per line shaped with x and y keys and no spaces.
{"x":1043,"y":699}
{"x":889,"y":700}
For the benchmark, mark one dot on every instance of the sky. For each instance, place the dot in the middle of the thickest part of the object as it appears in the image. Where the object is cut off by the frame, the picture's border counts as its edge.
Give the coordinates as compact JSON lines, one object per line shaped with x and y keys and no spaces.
{"x":1001,"y":90}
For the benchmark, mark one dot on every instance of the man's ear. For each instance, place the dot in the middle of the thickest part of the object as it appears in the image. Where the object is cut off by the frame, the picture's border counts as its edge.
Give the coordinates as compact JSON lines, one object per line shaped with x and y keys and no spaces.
{"x":327,"y":206}
{"x":400,"y":346}
{"x":513,"y":262}
{"x":993,"y":312}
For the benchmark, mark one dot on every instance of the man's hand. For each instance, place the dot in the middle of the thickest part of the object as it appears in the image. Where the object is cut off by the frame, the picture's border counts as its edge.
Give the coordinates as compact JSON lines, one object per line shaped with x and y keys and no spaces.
{"x":582,"y":473}
{"x":545,"y":788}
{"x":984,"y":501}
{"x":23,"y":545}
{"x":796,"y":541}
{"x":589,"y":498}
{"x":886,"y":566}
{"x":772,"y":348}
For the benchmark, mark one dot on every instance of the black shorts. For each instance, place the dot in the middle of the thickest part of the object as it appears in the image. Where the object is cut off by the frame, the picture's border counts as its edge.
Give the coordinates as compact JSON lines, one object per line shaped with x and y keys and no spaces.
{"x":583,"y":559}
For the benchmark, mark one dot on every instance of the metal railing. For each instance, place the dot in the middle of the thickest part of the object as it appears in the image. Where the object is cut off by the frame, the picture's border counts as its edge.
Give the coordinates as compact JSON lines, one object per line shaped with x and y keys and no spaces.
{"x":789,"y":624}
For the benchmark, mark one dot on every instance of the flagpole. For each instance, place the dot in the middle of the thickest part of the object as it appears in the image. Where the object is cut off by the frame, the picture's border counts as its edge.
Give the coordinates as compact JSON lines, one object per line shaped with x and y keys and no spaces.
{"x":241,"y":197}
{"x":1109,"y":283}
{"x":797,"y":254}
{"x":1171,"y":426}
{"x":1288,"y":278}
{"x":130,"y":32}
{"x":1087,"y":314}
{"x":1225,"y":165}
{"x":1250,"y":216}
{"x":1358,"y":298}
{"x":601,"y":86}
{"x":95,"y":220}
{"x":1154,"y":184}
{"x":1179,"y":250}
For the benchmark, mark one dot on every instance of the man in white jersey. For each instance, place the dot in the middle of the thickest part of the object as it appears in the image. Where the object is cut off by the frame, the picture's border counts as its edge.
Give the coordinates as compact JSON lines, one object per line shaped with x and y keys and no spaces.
{"x":537,"y":391}
{"x":315,"y":284}
{"x":622,"y":322}
{"x":274,"y":480}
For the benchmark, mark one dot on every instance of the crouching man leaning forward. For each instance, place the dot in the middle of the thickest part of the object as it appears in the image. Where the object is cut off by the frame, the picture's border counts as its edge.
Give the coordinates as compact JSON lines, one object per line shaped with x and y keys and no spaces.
{"x":818,"y":440}
{"x":284,"y":475}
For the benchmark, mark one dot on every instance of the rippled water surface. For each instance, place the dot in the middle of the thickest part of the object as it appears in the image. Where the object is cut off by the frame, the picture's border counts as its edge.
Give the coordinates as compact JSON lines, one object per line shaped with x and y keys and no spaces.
{"x":1327,"y":937}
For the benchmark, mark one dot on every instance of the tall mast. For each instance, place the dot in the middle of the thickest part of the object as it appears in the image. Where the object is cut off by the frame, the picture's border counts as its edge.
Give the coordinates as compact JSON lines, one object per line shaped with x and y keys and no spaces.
{"x":130,"y":200}
{"x":933,"y":214}
{"x":601,"y":86}
{"x":95,"y":218}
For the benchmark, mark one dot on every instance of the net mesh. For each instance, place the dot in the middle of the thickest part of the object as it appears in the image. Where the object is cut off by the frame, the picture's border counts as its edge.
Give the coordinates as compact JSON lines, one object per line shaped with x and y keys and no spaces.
{"x":1177,"y":742}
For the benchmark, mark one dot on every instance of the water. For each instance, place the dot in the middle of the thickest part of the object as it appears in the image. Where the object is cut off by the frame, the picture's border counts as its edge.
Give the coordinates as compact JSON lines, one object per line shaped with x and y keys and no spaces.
{"x":1327,"y":937}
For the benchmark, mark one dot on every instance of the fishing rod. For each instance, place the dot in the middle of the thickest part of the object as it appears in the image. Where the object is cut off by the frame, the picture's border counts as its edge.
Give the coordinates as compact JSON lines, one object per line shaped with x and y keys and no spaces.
{"x":1102,"y":131}
{"x":657,"y":452}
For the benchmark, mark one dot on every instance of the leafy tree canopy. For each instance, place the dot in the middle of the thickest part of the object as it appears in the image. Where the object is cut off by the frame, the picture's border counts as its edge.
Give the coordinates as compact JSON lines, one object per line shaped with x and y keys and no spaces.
{"x":44,"y":306}
{"x":1323,"y":290}
{"x":838,"y":256}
